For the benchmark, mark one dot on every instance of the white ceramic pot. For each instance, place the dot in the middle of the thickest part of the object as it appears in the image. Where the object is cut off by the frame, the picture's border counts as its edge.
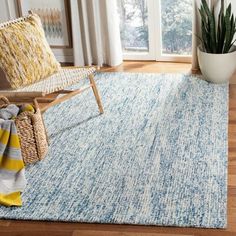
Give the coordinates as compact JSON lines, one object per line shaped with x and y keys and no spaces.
{"x":217,"y":68}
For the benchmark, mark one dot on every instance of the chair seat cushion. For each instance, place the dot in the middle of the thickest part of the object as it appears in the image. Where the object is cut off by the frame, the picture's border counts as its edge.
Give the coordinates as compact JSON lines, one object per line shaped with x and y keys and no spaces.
{"x":25,"y":56}
{"x":56,"y":82}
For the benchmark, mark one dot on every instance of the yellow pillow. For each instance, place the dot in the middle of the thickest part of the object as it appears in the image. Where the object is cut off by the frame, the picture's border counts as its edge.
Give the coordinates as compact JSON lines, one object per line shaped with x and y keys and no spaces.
{"x":25,"y":56}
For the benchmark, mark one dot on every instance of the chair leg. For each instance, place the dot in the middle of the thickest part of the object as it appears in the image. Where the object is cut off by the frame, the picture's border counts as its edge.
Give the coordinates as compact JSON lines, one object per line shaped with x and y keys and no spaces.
{"x":96,"y":94}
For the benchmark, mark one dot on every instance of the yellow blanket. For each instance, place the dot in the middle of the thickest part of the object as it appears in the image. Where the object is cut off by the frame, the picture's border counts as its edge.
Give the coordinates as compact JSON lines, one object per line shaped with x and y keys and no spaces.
{"x":12,"y":171}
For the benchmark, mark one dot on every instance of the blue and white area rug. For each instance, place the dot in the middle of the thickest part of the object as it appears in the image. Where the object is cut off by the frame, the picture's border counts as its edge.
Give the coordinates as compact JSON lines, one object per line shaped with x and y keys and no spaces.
{"x":158,"y":155}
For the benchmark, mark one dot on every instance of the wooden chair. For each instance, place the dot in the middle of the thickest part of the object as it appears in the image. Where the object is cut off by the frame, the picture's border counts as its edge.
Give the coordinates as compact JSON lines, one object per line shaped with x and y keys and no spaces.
{"x":48,"y":90}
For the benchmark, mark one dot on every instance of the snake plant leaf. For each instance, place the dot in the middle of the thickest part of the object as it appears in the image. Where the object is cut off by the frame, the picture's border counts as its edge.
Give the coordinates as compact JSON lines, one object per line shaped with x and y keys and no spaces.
{"x":204,"y":36}
{"x":223,"y":33}
{"x":228,"y":29}
{"x":206,"y":40}
{"x":203,"y":14}
{"x":211,"y":21}
{"x":219,"y":34}
{"x":221,"y":29}
{"x":232,"y":23}
{"x":213,"y":31}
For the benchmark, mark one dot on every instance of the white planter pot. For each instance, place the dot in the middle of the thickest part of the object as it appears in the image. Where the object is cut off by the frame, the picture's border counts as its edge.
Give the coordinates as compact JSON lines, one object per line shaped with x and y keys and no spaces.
{"x":217,"y":68}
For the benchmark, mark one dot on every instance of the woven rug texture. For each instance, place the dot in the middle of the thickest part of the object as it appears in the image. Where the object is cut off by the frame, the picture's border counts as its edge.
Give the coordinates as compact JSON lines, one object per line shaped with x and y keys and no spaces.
{"x":157,"y":156}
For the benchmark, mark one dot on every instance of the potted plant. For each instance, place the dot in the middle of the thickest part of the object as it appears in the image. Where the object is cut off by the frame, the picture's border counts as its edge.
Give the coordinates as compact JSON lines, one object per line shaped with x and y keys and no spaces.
{"x":217,"y":53}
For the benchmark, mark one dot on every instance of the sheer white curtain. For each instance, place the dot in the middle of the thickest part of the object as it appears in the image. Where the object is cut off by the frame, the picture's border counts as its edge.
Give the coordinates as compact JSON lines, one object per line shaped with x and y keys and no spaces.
{"x":197,"y":28}
{"x":95,"y":32}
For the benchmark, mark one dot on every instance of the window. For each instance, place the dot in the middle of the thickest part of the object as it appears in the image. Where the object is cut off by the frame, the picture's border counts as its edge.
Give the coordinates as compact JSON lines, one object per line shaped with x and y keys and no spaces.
{"x":133,"y":25}
{"x":156,"y":29}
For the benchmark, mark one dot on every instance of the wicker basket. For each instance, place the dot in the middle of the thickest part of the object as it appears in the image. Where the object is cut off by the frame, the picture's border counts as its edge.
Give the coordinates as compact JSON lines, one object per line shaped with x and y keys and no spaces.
{"x":32,"y":133}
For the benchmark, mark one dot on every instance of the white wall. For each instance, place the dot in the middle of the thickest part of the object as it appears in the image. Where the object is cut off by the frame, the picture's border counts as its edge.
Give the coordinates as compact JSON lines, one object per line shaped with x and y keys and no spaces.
{"x":9,"y":10}
{"x":233,"y":5}
{"x":233,"y":2}
{"x":4,"y":11}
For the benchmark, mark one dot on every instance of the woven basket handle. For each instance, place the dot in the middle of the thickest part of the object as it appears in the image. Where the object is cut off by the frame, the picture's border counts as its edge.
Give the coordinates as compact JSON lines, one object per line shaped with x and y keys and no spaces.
{"x":4,"y":100}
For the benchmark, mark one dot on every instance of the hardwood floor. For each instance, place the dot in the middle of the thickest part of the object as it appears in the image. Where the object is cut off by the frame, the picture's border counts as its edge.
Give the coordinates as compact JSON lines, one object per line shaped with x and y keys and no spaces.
{"x":34,"y":228}
{"x":152,"y":67}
